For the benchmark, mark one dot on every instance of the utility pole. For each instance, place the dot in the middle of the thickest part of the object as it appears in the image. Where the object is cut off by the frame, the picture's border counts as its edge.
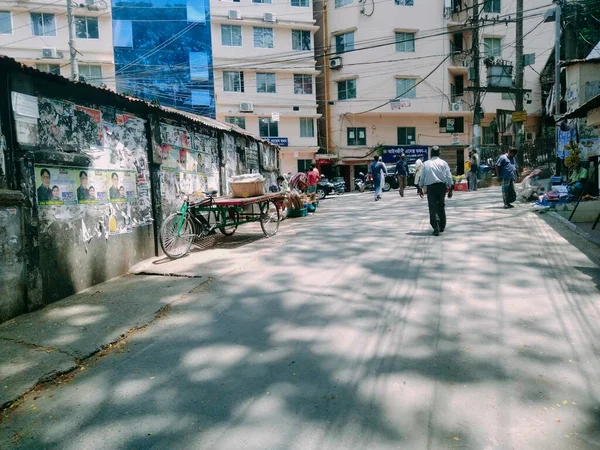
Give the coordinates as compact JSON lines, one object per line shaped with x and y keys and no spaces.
{"x":477,"y":79}
{"x":72,"y":50}
{"x":557,"y":20}
{"x":520,"y":69}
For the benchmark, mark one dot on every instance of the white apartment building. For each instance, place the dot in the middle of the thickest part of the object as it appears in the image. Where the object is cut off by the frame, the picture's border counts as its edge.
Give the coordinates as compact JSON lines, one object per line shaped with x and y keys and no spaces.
{"x":400,"y":74}
{"x":264,"y":72}
{"x":35,"y":33}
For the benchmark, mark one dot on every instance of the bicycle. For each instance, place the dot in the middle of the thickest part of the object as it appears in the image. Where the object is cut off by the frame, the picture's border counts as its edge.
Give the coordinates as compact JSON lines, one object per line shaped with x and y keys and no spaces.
{"x":198,"y":220}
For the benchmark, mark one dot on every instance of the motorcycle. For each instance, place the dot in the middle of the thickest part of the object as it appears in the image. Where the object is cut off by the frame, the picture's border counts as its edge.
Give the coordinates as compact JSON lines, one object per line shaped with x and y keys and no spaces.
{"x":359,"y":185}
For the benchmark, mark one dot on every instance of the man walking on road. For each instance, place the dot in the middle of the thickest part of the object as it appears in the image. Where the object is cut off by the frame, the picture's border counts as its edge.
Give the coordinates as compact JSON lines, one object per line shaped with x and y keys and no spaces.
{"x":436,"y":176}
{"x":473,"y":170}
{"x":507,"y":172}
{"x":378,"y":172}
{"x":401,"y":173}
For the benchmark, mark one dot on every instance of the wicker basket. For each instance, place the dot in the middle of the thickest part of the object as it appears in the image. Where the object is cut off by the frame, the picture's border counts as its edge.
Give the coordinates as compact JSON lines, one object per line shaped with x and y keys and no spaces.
{"x":245,"y":190}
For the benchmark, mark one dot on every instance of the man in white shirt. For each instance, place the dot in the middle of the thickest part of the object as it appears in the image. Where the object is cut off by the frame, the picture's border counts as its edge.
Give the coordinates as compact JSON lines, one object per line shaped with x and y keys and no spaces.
{"x":436,"y":176}
{"x":418,"y":169}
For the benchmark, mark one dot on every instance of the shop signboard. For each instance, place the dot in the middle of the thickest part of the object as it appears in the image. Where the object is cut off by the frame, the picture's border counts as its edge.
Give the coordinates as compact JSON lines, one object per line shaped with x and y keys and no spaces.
{"x":281,"y":141}
{"x":391,"y":154}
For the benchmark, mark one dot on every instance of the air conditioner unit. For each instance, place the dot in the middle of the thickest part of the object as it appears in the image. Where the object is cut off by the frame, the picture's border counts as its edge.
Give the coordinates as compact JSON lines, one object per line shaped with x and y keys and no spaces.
{"x":456,"y":107}
{"x":246,"y":107}
{"x":95,"y":5}
{"x":269,"y":17}
{"x":51,"y":53}
{"x":530,"y":136}
{"x":234,"y":14}
{"x":335,"y":63}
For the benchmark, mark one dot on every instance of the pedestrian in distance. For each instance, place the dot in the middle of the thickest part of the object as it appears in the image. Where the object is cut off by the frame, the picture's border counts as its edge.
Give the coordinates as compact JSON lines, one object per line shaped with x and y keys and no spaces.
{"x":418,"y":171}
{"x":401,"y":173}
{"x":507,"y":173}
{"x":437,"y":178}
{"x":378,"y":171}
{"x":473,"y":169}
{"x":313,"y":179}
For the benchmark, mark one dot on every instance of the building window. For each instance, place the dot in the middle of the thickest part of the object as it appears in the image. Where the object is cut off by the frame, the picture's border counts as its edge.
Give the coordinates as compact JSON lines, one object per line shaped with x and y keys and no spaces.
{"x":239,"y":121}
{"x":357,"y":136}
{"x":300,"y":3}
{"x":405,"y":88}
{"x":200,"y":97}
{"x":405,"y":42}
{"x":340,"y":3}
{"x":122,"y":33}
{"x":404,"y":2}
{"x":265,"y":83}
{"x":198,"y":66}
{"x":91,"y":74}
{"x":307,"y":127}
{"x":5,"y":22}
{"x":507,"y":140}
{"x":50,"y":68}
{"x":488,"y":136}
{"x":303,"y":84}
{"x":231,"y":35}
{"x":43,"y":24}
{"x":304,"y":165}
{"x":344,"y":42}
{"x":491,"y":6}
{"x":267,"y":127}
{"x":493,"y":47}
{"x":196,"y":11}
{"x":233,"y":81}
{"x":301,"y":40}
{"x":261,"y":1}
{"x":263,"y":37}
{"x":86,"y":27}
{"x":406,"y":135}
{"x":452,"y":125}
{"x":346,"y":89}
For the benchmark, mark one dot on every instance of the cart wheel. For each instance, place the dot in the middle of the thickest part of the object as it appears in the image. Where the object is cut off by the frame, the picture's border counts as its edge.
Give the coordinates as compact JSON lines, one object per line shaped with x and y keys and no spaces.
{"x":269,"y":218}
{"x":176,"y":235}
{"x":232,"y":219}
{"x":387,"y":186}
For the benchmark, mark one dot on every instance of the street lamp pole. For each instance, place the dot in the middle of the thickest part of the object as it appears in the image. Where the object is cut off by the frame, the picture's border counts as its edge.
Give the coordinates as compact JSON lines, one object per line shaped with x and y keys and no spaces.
{"x":72,"y":50}
{"x":557,"y":20}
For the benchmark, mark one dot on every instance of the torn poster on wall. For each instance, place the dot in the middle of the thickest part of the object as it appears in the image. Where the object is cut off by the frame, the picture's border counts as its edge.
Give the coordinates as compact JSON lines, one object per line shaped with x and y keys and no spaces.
{"x":56,"y":186}
{"x":73,"y":185}
{"x":123,"y":187}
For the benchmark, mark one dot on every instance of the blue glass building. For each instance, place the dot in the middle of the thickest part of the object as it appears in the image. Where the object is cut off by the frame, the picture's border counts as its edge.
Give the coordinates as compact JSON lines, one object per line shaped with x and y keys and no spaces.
{"x":163,"y":52}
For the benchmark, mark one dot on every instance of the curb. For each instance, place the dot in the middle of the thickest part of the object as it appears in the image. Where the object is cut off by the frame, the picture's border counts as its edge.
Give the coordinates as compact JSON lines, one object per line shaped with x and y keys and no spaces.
{"x":573,"y":227}
{"x":70,"y":369}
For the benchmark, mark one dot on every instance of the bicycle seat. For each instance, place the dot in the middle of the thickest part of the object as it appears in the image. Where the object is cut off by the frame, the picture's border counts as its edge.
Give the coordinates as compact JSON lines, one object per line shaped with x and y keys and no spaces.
{"x":211,"y":193}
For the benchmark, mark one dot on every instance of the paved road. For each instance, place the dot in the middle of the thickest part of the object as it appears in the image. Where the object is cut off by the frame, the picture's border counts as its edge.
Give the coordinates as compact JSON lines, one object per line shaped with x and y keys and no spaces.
{"x":355,"y":328}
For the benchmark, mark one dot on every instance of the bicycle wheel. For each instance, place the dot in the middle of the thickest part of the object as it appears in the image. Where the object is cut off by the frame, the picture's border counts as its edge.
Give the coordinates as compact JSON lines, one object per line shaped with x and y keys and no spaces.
{"x":232,"y":218}
{"x":176,"y":235}
{"x":269,"y":218}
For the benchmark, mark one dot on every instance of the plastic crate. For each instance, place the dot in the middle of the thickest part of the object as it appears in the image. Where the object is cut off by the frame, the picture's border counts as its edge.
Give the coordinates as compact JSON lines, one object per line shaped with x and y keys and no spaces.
{"x":297,"y":212}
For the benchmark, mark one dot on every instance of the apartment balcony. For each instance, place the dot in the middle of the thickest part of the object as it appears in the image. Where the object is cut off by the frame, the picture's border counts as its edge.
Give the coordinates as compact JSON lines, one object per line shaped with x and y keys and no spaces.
{"x":459,"y":62}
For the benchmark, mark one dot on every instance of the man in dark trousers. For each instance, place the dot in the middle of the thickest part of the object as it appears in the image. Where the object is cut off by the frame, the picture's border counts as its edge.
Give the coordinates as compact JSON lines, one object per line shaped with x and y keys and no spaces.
{"x":507,"y":173}
{"x":437,"y":178}
{"x":401,"y":173}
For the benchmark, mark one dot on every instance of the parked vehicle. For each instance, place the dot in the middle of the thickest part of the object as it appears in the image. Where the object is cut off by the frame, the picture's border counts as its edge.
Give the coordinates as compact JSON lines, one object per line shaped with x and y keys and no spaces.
{"x":359,"y":185}
{"x":340,"y":180}
{"x":326,"y":187}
